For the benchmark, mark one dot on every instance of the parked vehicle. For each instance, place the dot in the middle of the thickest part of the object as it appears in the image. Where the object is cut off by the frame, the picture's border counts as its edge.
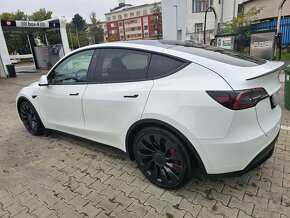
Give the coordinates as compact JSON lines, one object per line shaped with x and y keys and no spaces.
{"x":15,"y":61}
{"x":171,"y":106}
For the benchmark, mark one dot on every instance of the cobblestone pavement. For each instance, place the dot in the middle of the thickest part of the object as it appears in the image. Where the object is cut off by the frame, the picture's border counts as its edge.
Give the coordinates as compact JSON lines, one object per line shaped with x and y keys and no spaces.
{"x":65,"y":176}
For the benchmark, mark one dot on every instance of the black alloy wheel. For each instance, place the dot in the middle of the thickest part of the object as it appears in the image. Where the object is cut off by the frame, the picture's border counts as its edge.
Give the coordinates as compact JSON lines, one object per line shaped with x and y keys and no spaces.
{"x":30,"y":118}
{"x":162,"y":157}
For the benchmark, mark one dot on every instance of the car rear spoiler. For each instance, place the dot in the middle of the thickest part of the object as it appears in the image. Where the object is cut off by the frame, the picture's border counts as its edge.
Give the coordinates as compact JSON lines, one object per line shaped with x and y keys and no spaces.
{"x":269,"y":72}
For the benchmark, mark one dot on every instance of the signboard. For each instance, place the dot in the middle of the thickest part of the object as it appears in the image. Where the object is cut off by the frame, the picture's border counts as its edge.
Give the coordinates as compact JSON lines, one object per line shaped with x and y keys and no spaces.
{"x":262,"y":45}
{"x":24,"y":23}
{"x":34,"y":24}
{"x":226,"y":42}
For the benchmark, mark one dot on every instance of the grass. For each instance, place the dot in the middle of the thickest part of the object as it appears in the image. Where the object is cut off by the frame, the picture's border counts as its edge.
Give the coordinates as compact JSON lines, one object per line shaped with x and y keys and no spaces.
{"x":285,"y":57}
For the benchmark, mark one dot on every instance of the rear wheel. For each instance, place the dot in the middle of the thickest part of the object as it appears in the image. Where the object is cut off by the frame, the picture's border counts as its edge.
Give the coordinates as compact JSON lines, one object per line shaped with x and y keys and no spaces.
{"x":30,"y":118}
{"x":162,"y":157}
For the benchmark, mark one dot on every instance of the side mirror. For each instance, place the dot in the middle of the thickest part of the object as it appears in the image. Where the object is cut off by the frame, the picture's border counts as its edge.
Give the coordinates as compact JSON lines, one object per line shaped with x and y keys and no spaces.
{"x":43,"y":81}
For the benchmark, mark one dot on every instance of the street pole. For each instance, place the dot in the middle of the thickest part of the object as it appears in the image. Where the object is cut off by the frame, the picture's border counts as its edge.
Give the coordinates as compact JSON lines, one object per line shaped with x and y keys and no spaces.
{"x":70,"y":40}
{"x":278,"y":34}
{"x":176,"y":21}
{"x":216,"y":22}
{"x":78,"y":38}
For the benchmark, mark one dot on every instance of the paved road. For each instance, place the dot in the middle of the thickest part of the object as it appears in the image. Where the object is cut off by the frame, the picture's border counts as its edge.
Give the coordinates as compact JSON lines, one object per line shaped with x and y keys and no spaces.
{"x":64,"y":176}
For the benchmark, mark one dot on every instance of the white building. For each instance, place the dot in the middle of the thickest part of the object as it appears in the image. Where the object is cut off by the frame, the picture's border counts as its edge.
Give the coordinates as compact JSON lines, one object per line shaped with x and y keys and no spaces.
{"x":192,"y":19}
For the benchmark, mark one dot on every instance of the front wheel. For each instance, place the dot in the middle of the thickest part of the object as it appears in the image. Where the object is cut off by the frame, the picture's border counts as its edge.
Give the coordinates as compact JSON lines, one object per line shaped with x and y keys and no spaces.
{"x":30,"y":118}
{"x":162,"y":157}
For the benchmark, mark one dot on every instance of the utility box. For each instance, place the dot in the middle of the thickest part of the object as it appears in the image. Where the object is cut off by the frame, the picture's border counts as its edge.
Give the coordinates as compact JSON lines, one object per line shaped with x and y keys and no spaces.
{"x":263,"y":45}
{"x":11,"y":70}
{"x":287,"y":87}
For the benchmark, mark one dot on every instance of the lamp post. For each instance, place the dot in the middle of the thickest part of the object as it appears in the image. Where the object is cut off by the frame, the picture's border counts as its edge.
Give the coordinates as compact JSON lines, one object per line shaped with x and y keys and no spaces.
{"x":278,"y":34}
{"x":176,"y":20}
{"x":205,"y":17}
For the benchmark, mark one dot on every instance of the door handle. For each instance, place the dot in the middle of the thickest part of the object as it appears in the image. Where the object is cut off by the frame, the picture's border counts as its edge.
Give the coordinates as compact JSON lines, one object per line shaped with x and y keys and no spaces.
{"x":74,"y":94}
{"x":131,"y":96}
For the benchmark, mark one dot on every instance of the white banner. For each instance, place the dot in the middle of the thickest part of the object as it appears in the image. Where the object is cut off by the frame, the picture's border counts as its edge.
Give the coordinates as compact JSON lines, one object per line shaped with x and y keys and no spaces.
{"x":32,"y":24}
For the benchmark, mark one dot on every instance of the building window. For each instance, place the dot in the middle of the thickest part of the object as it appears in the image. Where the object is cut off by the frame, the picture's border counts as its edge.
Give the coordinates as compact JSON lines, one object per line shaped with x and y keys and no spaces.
{"x":119,"y":17}
{"x":146,"y":27}
{"x":114,"y":17}
{"x":198,"y":27}
{"x":132,"y":14}
{"x":125,"y":15}
{"x":120,"y":23}
{"x":138,"y":13}
{"x":108,"y":19}
{"x":145,"y":19}
{"x":146,"y":35}
{"x":144,"y":12}
{"x":201,"y":5}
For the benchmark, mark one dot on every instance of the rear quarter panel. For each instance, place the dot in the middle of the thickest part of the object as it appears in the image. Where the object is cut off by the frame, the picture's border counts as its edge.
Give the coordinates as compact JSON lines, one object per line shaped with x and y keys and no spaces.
{"x":181,"y":101}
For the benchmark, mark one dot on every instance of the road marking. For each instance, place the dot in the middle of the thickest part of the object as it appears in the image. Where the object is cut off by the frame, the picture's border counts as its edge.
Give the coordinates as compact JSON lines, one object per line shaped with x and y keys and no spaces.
{"x":285,"y":127}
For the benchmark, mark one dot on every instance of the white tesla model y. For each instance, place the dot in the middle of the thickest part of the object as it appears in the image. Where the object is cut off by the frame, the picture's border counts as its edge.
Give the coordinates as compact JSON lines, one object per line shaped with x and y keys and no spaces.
{"x":171,"y":106}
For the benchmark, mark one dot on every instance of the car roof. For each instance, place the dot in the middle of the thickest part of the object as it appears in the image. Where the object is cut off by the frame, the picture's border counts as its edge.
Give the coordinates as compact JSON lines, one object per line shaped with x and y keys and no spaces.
{"x":190,"y":48}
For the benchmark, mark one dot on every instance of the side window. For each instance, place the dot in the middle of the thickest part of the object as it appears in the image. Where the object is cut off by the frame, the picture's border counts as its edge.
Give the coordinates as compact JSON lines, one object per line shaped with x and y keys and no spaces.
{"x":117,"y":65}
{"x":162,"y":66}
{"x":73,"y":69}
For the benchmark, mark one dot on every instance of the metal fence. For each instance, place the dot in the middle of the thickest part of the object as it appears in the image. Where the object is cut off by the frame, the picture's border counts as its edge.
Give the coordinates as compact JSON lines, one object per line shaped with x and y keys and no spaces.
{"x":272,"y":25}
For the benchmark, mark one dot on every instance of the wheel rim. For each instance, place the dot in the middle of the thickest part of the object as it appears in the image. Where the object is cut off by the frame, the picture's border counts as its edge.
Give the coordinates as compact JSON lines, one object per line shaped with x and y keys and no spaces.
{"x":29,"y":118}
{"x":159,"y":159}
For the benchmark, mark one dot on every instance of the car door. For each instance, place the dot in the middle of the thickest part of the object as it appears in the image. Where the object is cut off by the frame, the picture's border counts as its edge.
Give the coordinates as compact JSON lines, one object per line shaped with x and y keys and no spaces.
{"x":60,"y":102}
{"x":118,"y":96}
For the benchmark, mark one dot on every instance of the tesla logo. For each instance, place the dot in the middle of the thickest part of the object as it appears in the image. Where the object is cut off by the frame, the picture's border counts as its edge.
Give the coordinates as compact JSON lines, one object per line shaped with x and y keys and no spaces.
{"x":8,"y":23}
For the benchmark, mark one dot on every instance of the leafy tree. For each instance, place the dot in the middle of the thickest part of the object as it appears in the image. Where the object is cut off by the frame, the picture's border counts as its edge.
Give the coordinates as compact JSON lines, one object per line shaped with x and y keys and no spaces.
{"x":18,"y":15}
{"x":16,"y":43}
{"x":94,"y":29}
{"x":241,"y":25}
{"x":40,"y":15}
{"x":78,"y":22}
{"x":113,"y":38}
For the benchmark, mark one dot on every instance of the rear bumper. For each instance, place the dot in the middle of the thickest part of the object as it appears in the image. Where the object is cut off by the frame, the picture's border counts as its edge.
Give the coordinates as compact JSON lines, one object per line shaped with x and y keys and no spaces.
{"x":264,"y":155}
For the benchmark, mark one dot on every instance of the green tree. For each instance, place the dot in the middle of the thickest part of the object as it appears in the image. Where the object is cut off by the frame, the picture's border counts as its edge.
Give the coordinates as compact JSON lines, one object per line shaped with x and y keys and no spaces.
{"x":40,"y":15}
{"x":241,"y":25}
{"x":113,"y":38}
{"x":78,"y":22}
{"x":94,"y":29}
{"x":16,"y":43}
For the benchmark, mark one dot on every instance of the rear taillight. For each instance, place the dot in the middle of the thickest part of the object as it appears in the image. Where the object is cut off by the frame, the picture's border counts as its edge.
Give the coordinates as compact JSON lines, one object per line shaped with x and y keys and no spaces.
{"x":238,"y":100}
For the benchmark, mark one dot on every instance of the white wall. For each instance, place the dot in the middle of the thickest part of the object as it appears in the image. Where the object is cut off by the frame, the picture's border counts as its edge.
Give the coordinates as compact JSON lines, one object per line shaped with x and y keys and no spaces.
{"x":224,"y":14}
{"x":173,"y":19}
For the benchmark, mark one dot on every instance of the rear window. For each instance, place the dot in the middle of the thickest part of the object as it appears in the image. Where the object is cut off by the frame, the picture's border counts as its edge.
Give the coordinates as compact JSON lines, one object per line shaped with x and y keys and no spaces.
{"x":162,"y":66}
{"x":216,"y":54}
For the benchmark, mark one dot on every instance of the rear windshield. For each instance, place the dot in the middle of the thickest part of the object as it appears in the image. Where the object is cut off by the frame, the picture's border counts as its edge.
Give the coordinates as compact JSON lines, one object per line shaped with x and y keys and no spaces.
{"x":215,"y":53}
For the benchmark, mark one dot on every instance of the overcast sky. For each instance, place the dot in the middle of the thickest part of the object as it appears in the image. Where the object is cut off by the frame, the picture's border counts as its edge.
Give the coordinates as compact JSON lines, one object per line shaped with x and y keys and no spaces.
{"x":66,"y":8}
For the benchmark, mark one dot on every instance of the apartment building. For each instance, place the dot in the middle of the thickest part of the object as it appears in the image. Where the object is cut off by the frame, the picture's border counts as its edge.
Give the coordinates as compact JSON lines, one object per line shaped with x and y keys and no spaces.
{"x":128,"y":22}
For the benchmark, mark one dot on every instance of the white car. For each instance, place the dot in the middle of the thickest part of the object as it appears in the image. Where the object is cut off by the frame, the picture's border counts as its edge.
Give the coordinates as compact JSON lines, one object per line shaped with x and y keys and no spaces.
{"x":171,"y":106}
{"x":15,"y":61}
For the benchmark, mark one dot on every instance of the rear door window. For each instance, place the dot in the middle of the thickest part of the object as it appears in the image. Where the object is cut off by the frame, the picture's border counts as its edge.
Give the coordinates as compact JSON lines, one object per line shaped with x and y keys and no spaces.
{"x":121,"y":65}
{"x":162,"y":66}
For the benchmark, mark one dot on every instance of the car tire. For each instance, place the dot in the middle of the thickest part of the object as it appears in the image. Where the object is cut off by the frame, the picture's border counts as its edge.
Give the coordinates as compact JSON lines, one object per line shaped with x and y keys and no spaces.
{"x":30,"y":118}
{"x":162,"y":157}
